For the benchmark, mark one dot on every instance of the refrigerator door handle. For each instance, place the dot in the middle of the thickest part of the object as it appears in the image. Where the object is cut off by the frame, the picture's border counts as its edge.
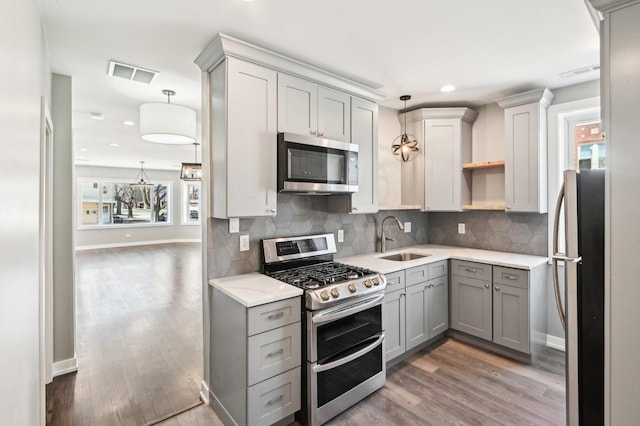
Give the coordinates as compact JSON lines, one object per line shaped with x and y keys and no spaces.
{"x":556,"y":257}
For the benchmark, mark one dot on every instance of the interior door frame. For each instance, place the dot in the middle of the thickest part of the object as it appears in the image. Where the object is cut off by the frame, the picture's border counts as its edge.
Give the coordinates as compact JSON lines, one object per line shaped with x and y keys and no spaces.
{"x":45,"y":255}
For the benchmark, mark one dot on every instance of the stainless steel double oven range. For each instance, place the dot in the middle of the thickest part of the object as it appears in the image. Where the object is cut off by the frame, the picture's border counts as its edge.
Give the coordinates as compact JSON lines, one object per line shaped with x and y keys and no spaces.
{"x":342,"y":323}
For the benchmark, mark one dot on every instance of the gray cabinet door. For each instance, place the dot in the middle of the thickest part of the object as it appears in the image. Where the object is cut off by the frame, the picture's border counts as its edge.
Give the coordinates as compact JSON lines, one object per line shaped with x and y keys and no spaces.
{"x":471,"y":306}
{"x":511,"y":317}
{"x":297,"y":105}
{"x":393,"y":322}
{"x":417,"y":320}
{"x":334,"y":115}
{"x":438,"y":306}
{"x":364,"y":133}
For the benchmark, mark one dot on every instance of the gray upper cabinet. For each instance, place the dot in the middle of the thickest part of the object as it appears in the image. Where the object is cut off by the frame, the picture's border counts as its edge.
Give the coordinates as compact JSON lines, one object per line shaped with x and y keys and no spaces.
{"x":297,"y":105}
{"x":307,"y":108}
{"x":445,"y":138}
{"x":525,"y":120}
{"x":334,"y":114}
{"x":471,"y":299}
{"x":364,"y":133}
{"x":244,"y":120}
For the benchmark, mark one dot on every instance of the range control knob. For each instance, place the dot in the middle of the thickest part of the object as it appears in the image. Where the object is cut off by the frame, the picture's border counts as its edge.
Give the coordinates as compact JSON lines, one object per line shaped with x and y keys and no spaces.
{"x":368,"y":283}
{"x":335,"y":292}
{"x":352,"y":288}
{"x":324,"y":295}
{"x":376,"y":281}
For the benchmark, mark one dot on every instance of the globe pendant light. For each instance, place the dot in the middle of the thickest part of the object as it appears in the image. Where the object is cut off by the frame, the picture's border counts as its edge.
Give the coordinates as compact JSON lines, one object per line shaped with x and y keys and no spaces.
{"x":405,"y":147}
{"x":167,"y":123}
{"x":142,"y":180}
{"x":192,"y":171}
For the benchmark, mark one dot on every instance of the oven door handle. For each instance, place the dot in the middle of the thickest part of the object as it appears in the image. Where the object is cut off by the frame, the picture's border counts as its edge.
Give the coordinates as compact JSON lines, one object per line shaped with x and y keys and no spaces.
{"x":345,"y":312}
{"x":323,"y":367}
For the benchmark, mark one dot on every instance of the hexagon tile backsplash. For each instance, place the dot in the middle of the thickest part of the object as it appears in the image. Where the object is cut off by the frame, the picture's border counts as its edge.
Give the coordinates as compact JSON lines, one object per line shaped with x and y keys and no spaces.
{"x":306,"y":215}
{"x":524,"y":233}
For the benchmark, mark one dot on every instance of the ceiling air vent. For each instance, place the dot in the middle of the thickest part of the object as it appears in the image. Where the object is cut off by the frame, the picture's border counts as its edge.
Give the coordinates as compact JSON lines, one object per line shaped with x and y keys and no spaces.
{"x":131,"y":72}
{"x":580,"y":71}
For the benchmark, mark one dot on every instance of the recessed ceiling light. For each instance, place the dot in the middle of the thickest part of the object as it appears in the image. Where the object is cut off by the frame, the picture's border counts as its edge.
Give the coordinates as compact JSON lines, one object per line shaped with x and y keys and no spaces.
{"x":448,"y":88}
{"x":84,"y":149}
{"x":128,"y":123}
{"x":114,"y":144}
{"x":97,"y":116}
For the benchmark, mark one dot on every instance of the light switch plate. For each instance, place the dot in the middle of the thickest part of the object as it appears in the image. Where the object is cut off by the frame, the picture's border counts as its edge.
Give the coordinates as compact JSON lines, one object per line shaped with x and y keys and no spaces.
{"x":340,"y":235}
{"x":244,"y":242}
{"x":461,"y":229}
{"x":234,"y":225}
{"x":407,"y":227}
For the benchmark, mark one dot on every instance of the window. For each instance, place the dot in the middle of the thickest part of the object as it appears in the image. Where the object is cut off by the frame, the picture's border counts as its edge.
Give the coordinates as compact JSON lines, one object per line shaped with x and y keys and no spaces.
{"x":191,"y":203}
{"x":588,"y":146}
{"x":108,"y":203}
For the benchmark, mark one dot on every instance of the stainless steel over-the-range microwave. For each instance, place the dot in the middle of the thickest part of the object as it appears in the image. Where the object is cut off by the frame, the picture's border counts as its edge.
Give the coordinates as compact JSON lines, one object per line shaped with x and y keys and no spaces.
{"x":316,"y":165}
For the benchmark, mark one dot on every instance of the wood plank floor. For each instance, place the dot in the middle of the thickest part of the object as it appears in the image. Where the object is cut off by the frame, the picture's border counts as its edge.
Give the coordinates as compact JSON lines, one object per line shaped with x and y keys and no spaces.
{"x":139,"y":337}
{"x":453,"y":384}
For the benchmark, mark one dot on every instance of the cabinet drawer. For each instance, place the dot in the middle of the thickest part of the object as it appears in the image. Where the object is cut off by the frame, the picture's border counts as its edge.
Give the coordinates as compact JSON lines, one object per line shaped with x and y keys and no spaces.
{"x":273,"y":352}
{"x":438,"y":269}
{"x":416,"y":275}
{"x":273,"y":315}
{"x":395,"y":281}
{"x":510,"y":276}
{"x":480,"y":271}
{"x":274,"y":399}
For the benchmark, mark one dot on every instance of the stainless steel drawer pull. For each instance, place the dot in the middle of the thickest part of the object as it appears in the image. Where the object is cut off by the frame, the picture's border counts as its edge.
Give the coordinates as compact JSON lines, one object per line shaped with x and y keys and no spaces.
{"x":276,"y":316}
{"x":497,"y":288}
{"x":510,"y":277}
{"x":273,"y":401}
{"x":473,"y":271}
{"x":486,"y":286}
{"x":278,"y":352}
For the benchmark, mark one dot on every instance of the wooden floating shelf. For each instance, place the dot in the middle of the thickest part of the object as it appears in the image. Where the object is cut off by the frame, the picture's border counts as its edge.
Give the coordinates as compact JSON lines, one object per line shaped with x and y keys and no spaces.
{"x":484,"y":207}
{"x":483,"y":165}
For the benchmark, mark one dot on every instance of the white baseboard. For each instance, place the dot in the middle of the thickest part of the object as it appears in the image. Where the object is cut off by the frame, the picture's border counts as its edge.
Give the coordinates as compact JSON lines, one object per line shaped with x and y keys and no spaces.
{"x":138,"y":243}
{"x":65,"y":366}
{"x":555,"y":343}
{"x":204,"y":392}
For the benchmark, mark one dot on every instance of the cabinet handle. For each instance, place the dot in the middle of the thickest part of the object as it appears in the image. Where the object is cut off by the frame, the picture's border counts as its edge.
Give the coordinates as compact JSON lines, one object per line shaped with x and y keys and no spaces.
{"x":508,"y":207}
{"x":497,"y":288}
{"x":313,"y":132}
{"x":404,"y":293}
{"x":473,"y":271}
{"x":272,"y":210}
{"x":355,"y":209}
{"x":510,"y":277}
{"x":278,"y":352}
{"x":320,"y":133}
{"x":276,"y":316}
{"x":273,"y":401}
{"x":486,"y":286}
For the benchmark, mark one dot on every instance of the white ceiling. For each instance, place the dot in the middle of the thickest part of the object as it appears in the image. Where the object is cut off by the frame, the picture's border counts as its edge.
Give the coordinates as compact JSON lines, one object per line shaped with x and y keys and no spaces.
{"x":487,"y":49}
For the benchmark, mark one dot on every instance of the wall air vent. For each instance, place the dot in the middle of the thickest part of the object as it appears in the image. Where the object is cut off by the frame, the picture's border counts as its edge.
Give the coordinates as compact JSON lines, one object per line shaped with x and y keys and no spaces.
{"x":131,"y":72}
{"x":580,"y":71}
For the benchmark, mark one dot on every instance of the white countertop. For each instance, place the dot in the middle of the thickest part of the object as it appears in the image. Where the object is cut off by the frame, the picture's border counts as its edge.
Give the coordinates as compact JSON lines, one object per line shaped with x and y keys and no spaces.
{"x":255,"y":289}
{"x":374,"y":262}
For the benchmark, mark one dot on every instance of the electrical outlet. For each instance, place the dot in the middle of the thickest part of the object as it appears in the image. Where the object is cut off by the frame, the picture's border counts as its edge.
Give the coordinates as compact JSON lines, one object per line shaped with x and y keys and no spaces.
{"x":234,"y":225}
{"x":340,"y":235}
{"x":407,"y":227}
{"x":461,"y":229}
{"x":244,"y":243}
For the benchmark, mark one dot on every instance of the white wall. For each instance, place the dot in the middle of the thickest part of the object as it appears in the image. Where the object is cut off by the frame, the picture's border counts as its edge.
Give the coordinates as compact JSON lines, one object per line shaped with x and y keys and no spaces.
{"x":117,"y":236}
{"x":25,"y":78}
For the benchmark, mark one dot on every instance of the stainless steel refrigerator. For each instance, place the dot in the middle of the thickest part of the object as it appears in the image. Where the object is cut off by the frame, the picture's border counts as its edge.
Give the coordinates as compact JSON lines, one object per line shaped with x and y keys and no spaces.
{"x":582,"y":313}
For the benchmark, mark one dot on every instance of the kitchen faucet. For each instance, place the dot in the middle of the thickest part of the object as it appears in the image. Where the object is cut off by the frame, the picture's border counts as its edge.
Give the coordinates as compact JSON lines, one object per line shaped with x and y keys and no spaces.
{"x":383,"y":237}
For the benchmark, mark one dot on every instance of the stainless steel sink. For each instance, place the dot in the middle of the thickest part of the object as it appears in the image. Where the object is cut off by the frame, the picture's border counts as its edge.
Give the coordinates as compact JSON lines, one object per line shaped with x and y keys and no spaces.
{"x":403,"y":257}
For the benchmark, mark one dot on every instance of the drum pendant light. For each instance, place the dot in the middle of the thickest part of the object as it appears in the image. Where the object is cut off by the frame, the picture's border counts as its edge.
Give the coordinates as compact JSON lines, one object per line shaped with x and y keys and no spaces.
{"x":167,"y":123}
{"x":405,"y":147}
{"x":192,"y":171}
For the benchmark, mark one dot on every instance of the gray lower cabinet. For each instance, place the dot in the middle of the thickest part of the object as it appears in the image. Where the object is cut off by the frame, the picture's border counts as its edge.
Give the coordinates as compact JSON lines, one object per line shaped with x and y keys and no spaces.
{"x":504,"y":305}
{"x":255,"y":360}
{"x":416,"y":307}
